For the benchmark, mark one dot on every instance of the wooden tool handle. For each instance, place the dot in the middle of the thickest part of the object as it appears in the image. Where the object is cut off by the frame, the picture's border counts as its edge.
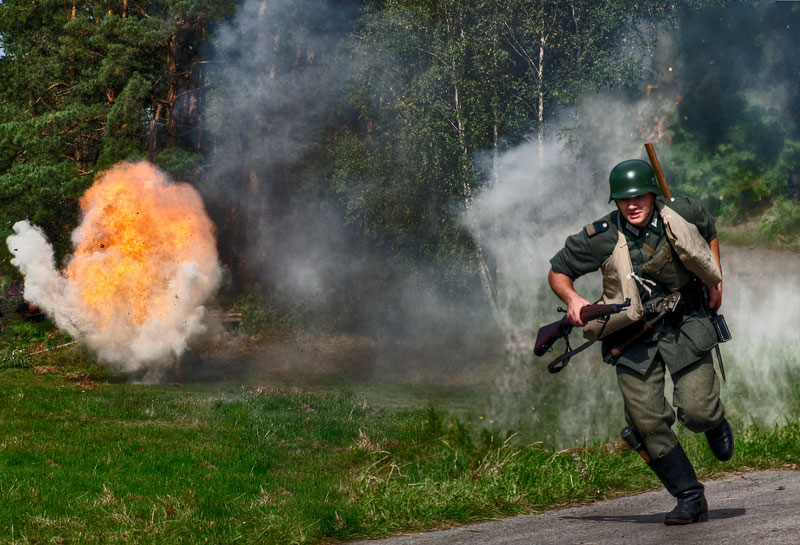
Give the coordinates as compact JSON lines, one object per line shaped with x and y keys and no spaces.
{"x":651,"y":153}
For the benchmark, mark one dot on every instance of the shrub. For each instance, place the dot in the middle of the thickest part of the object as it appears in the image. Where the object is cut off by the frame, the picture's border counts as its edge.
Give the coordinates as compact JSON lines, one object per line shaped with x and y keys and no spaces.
{"x":781,"y":220}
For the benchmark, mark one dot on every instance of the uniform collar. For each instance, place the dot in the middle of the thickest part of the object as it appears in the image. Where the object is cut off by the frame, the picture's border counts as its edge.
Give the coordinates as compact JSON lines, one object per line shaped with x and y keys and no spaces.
{"x":654,"y":225}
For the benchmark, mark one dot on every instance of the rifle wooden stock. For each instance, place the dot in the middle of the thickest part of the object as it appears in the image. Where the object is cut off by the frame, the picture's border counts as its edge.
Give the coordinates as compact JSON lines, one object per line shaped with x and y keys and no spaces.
{"x":550,"y":333}
{"x":662,"y":181}
{"x":668,"y":305}
{"x":620,"y":348}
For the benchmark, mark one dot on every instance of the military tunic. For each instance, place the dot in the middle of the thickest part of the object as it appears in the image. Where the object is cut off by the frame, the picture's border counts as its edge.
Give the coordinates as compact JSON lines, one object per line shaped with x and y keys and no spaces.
{"x":678,"y":343}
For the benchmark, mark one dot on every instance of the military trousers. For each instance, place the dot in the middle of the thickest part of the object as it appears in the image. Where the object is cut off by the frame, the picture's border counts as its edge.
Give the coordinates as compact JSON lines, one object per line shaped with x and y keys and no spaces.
{"x":695,"y":396}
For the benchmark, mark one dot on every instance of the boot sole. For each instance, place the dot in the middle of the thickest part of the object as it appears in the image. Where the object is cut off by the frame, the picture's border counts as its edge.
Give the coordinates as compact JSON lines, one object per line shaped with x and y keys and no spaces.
{"x":702,"y":517}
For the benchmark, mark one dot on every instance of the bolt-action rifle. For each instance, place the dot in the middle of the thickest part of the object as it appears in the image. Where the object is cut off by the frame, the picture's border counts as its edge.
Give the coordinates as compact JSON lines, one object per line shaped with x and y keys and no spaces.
{"x":550,"y":333}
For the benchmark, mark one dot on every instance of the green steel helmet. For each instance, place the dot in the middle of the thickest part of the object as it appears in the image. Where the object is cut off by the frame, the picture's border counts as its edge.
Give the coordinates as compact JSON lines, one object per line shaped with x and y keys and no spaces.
{"x":632,"y":178}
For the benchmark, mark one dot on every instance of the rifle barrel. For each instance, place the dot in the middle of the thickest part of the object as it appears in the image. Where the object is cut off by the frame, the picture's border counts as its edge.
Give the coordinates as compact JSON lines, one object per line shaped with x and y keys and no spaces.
{"x":550,"y":333}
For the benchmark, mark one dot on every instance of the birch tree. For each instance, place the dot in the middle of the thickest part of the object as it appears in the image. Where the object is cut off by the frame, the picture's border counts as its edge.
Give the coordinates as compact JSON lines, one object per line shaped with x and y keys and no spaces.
{"x":468,"y":77}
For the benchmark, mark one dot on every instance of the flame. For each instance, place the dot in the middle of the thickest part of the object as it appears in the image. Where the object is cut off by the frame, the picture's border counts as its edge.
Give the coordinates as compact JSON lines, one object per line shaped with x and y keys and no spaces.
{"x":137,"y":229}
{"x":653,"y":129}
{"x":144,"y":263}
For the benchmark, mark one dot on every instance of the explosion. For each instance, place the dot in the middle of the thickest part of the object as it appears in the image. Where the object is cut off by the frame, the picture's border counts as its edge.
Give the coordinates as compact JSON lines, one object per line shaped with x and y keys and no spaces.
{"x":145,"y":262}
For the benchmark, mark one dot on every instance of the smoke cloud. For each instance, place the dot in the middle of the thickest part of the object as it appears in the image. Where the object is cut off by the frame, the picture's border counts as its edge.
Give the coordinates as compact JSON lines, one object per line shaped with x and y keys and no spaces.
{"x":284,"y":75}
{"x":761,"y":302}
{"x":524,"y":219}
{"x":542,"y":195}
{"x":144,"y":263}
{"x":285,"y":69}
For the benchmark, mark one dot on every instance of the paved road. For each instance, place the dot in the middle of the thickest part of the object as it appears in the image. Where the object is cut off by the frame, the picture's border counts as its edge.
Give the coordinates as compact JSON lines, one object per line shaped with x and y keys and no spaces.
{"x":761,"y":508}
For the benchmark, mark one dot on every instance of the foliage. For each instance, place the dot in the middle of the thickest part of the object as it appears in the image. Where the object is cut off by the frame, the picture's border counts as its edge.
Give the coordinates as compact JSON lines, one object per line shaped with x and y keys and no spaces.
{"x":262,"y":314}
{"x":180,"y":164}
{"x":780,"y":220}
{"x":84,"y":87}
{"x":19,"y":332}
{"x":463,"y":77}
{"x":737,"y":145}
{"x":23,"y":334}
{"x":12,"y":359}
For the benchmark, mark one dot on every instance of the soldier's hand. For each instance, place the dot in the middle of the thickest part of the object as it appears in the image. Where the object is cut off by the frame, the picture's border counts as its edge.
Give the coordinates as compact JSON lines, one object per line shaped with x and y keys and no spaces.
{"x":574,"y":307}
{"x":715,"y":297}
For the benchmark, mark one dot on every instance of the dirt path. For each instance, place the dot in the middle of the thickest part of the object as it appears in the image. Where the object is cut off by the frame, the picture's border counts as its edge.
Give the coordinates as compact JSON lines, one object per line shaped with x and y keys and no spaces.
{"x":754,"y":508}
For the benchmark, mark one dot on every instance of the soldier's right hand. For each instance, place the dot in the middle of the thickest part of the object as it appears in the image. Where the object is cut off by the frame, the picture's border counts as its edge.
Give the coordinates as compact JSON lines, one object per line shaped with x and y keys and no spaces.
{"x":574,"y":307}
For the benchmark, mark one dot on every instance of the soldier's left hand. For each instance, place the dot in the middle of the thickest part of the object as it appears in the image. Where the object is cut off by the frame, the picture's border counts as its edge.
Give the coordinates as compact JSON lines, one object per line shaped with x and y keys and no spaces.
{"x":715,"y":296}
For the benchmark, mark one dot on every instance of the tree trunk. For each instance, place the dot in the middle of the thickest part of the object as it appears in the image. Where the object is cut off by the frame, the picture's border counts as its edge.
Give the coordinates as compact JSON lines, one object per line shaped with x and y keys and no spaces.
{"x":201,"y":100}
{"x":172,"y":91}
{"x":152,"y":136}
{"x":540,"y":117}
{"x":487,"y":283}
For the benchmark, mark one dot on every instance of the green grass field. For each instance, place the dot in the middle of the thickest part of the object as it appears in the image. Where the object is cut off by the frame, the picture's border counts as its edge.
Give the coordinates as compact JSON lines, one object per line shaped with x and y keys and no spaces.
{"x":86,"y":457}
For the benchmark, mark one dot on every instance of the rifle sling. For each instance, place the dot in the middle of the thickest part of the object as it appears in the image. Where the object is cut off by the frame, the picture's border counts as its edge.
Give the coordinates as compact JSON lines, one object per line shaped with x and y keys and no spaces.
{"x":667,"y":305}
{"x":560,"y":362}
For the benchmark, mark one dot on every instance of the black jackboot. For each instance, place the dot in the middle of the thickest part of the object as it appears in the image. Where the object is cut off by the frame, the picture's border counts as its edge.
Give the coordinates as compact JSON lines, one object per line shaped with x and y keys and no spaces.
{"x":678,"y":476}
{"x":720,"y":439}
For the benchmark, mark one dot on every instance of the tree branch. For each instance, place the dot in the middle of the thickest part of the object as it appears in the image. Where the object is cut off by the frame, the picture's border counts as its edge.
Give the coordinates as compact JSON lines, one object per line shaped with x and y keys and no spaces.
{"x":59,"y":84}
{"x":138,"y":7}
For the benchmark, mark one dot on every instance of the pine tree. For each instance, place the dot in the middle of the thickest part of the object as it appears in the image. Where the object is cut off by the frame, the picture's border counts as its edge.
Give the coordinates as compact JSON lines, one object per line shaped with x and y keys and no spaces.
{"x":87,"y":84}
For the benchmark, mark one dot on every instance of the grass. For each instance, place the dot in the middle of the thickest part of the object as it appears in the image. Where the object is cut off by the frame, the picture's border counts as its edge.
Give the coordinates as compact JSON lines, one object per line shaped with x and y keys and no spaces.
{"x":748,"y":234}
{"x":88,"y":458}
{"x":103,"y":462}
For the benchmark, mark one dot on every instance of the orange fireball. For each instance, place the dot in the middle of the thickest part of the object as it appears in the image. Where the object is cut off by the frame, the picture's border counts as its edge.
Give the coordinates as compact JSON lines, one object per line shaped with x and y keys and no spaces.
{"x":137,"y":230}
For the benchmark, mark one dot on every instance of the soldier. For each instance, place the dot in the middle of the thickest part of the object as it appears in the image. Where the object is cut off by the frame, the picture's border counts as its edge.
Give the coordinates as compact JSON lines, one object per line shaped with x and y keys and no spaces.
{"x":648,"y":248}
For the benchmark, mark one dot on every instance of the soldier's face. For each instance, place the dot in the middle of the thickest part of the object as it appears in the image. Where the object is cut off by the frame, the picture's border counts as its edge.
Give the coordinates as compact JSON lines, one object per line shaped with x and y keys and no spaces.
{"x":637,"y":210}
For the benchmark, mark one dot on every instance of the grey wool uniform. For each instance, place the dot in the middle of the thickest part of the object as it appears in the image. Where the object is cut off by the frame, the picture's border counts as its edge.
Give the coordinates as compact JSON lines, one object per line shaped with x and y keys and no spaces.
{"x":680,"y":343}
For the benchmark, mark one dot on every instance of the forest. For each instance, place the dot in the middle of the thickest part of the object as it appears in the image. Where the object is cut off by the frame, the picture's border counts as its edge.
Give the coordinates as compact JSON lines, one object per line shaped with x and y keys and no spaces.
{"x":341,"y":147}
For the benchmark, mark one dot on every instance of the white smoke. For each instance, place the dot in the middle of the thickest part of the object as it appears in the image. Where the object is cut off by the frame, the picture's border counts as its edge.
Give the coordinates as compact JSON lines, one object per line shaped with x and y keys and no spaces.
{"x":149,"y":347}
{"x":543,"y":195}
{"x":44,"y":285}
{"x":159,"y":342}
{"x":761,"y":303}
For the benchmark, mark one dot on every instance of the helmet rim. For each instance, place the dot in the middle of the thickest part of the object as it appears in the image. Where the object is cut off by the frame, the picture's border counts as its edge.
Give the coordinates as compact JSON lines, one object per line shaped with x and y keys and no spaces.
{"x":632,"y":178}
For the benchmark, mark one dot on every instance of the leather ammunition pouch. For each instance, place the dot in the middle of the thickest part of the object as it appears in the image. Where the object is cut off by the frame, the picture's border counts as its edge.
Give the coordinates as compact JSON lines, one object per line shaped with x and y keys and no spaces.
{"x":691,"y":300}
